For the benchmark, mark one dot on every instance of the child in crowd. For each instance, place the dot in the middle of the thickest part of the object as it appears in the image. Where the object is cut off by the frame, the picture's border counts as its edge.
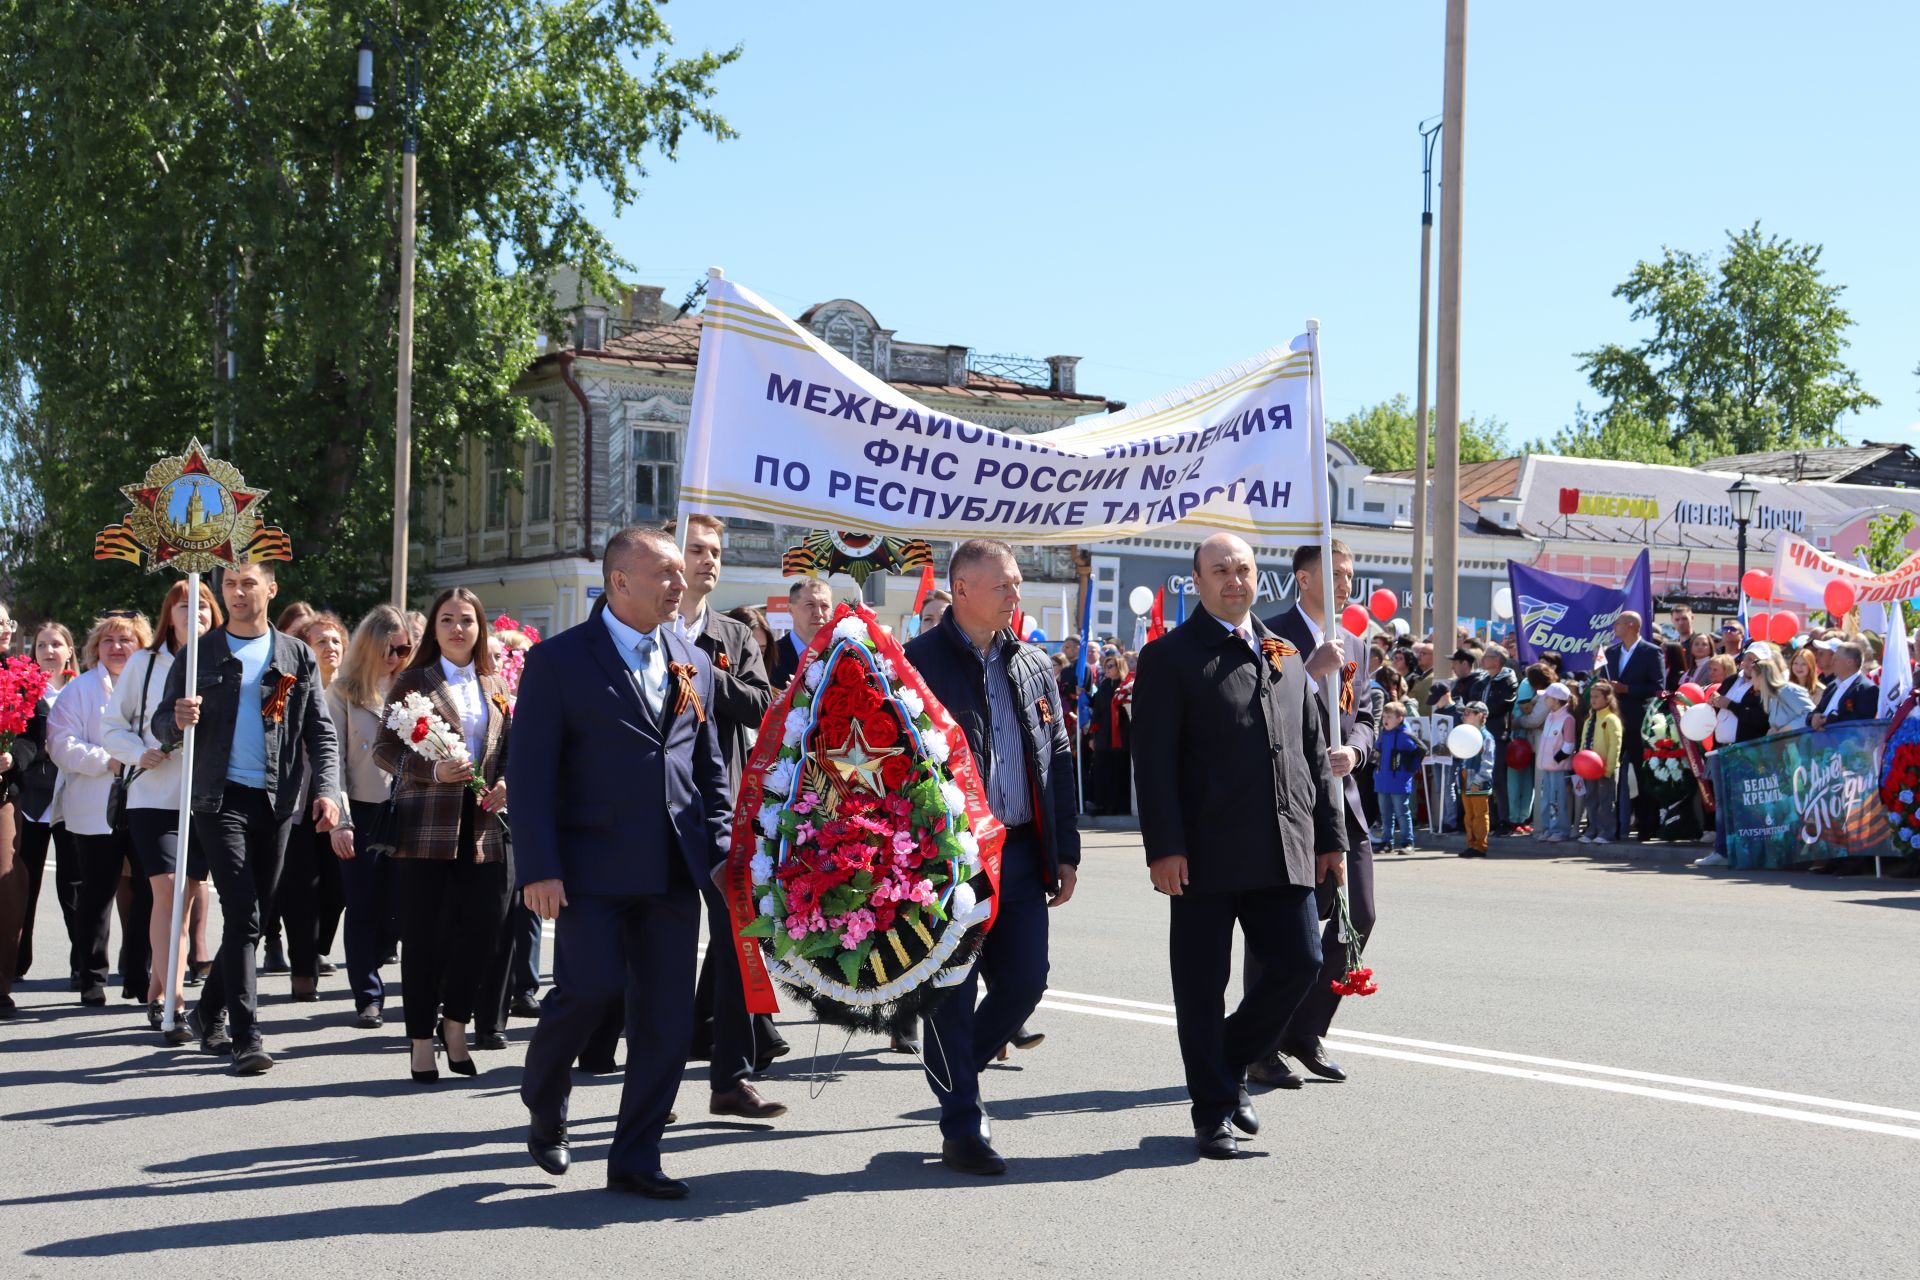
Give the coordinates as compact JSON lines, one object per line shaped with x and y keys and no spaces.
{"x":1394,"y":776}
{"x":1600,"y":735}
{"x":1476,"y":782}
{"x":1553,"y":762}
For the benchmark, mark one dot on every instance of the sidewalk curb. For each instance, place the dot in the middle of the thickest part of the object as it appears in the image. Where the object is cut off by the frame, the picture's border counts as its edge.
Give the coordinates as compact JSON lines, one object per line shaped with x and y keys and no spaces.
{"x":1660,"y":854}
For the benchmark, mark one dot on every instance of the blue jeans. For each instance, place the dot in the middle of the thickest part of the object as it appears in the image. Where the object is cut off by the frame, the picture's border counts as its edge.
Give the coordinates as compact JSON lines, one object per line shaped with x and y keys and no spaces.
{"x":1519,"y":795}
{"x":1396,"y":812}
{"x":1555,"y":803}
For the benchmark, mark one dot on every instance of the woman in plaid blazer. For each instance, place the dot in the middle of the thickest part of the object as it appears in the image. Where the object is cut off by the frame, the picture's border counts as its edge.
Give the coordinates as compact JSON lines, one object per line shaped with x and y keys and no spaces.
{"x":453,"y":866}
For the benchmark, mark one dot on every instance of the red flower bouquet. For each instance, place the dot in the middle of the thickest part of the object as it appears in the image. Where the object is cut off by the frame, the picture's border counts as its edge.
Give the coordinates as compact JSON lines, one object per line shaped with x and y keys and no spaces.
{"x":22,"y":685}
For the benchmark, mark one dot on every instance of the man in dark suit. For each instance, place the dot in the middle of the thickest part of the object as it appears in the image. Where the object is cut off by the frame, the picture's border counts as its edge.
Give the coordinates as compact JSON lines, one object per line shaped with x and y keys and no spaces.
{"x":1850,"y":696}
{"x":1003,"y":696}
{"x":1240,"y":815}
{"x":739,"y":1044}
{"x":621,"y":816}
{"x":1329,"y":666}
{"x":810,"y":604}
{"x":1638,"y":671}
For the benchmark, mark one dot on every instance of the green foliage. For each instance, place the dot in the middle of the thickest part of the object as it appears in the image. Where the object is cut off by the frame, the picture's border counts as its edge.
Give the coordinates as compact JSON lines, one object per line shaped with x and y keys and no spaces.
{"x":1623,"y":437}
{"x":1886,"y":550}
{"x":1745,"y":352}
{"x":161,"y":147}
{"x":1382,"y":436}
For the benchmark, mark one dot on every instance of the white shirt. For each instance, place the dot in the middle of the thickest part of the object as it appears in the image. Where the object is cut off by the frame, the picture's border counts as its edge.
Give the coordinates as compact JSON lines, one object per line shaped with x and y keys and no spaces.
{"x":691,"y":631}
{"x":74,"y":742}
{"x":1319,"y":638}
{"x":1727,"y":728}
{"x":463,"y":687}
{"x":1840,"y":688}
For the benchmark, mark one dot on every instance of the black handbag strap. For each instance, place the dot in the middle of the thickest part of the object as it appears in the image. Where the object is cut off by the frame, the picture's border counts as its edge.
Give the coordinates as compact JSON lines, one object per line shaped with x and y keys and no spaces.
{"x":140,"y":731}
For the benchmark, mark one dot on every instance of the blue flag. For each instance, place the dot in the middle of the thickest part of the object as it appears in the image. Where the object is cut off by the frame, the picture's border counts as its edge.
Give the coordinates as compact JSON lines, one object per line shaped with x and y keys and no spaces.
{"x":1086,"y":643}
{"x":1558,"y":614}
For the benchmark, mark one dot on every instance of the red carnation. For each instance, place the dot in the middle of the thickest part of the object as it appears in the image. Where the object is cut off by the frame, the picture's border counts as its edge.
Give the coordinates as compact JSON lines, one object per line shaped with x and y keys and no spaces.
{"x":882,"y":730}
{"x":896,"y":772}
{"x":850,"y":673}
{"x":421,"y":729}
{"x":834,"y":730}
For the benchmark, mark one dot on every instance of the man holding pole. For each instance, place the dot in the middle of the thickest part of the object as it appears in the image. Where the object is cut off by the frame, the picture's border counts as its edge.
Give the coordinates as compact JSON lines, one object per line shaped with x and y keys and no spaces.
{"x":262,"y":731}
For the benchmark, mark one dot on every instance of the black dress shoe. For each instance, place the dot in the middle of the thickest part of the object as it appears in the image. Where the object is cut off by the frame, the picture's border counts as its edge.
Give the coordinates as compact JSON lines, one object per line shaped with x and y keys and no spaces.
{"x":251,"y":1058}
{"x":1273,"y":1072}
{"x":905,"y":1044}
{"x":1025,"y":1039}
{"x":197,"y":973}
{"x":548,"y":1147}
{"x":327,"y":967}
{"x":1216,"y":1142}
{"x":524,"y":1006}
{"x":774,"y":1049}
{"x":1245,"y":1118}
{"x":368,"y":1018}
{"x":599,"y":1066}
{"x":973,"y":1155}
{"x":1313,"y":1056}
{"x":489,"y":1040}
{"x":276,"y":961}
{"x":8,"y":1009}
{"x":93,"y":997}
{"x":654,"y":1186}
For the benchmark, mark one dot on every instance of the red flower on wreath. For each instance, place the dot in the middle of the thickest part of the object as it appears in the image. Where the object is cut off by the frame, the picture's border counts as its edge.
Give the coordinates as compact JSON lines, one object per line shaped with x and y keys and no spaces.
{"x":850,"y":674}
{"x":896,"y":772}
{"x":880,"y":728}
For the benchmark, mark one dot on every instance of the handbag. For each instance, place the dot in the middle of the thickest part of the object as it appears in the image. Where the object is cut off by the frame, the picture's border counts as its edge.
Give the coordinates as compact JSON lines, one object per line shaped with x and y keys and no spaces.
{"x":117,"y":793}
{"x":380,"y":835}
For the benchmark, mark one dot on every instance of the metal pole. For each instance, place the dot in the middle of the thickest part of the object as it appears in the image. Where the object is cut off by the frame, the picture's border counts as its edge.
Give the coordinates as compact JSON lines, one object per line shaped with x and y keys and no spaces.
{"x":1330,"y":617}
{"x":184,"y":821}
{"x":1446,"y":498}
{"x":1420,"y":411}
{"x":403,"y":403}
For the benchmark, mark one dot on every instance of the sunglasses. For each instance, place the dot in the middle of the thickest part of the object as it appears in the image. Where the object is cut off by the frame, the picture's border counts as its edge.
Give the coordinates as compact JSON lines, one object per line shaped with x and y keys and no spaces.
{"x":121,"y":613}
{"x":399,"y":650}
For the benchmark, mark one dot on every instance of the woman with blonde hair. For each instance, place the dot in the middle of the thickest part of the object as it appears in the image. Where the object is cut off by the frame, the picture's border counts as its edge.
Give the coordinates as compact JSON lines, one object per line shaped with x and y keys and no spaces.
{"x":52,"y":651}
{"x":454,"y":867}
{"x":357,"y":701}
{"x":152,"y":777}
{"x":88,"y":772}
{"x":1787,"y":704}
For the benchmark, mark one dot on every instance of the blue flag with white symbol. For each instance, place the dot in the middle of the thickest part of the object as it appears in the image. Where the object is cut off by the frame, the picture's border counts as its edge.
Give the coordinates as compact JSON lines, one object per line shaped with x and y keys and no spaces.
{"x":1558,"y":614}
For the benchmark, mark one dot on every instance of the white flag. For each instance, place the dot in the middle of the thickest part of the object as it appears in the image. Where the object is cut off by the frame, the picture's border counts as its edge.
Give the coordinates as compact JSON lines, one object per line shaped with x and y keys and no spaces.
{"x":1896,"y":665}
{"x":1873,"y":617}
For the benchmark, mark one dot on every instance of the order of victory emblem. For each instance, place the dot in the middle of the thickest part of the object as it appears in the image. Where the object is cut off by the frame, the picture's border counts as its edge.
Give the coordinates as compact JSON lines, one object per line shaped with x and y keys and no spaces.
{"x":193,"y":514}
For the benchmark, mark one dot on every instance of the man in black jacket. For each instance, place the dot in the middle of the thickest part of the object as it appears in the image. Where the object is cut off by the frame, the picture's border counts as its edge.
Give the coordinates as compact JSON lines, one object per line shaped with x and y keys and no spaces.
{"x":263,"y":727}
{"x":1638,"y":670}
{"x":809,"y":604}
{"x":1241,"y":818}
{"x":1002,"y":694}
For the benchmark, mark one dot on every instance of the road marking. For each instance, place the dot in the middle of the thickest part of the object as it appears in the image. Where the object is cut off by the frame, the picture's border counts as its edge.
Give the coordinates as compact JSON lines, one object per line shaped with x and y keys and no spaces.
{"x":1348,"y":1042}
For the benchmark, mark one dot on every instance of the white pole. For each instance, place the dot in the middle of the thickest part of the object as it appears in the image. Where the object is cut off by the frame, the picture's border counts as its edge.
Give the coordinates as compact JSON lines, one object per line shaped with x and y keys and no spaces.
{"x":1316,"y":413}
{"x":184,"y":824}
{"x":680,"y":523}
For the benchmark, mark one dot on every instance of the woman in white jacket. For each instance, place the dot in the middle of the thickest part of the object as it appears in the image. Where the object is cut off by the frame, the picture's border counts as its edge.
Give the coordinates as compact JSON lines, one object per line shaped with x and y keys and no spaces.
{"x":76,"y":741}
{"x":153,"y":795}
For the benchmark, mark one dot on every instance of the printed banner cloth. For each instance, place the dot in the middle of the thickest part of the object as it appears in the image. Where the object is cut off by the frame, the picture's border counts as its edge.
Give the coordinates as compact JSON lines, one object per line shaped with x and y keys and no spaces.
{"x":1801,"y":572}
{"x":1802,"y":796}
{"x":1558,"y":614}
{"x":785,"y":428}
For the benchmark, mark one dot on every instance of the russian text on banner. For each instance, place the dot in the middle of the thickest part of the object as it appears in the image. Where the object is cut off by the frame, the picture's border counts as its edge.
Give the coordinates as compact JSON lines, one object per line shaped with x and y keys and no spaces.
{"x":1801,"y":572}
{"x":785,"y":428}
{"x":1558,"y":614}
{"x":1803,"y":796}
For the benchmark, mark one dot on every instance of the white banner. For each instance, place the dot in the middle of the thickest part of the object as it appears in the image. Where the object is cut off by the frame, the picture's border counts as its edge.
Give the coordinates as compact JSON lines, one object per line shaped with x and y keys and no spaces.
{"x":785,"y":428}
{"x":1801,"y":572}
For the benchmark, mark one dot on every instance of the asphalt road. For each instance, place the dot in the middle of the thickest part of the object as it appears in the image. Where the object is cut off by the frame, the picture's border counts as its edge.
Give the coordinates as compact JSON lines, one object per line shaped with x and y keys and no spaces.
{"x":1572,"y":1069}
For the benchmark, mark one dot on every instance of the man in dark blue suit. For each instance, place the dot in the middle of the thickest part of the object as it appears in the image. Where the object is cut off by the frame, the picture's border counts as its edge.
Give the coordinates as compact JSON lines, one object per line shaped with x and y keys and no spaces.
{"x":621,"y":812}
{"x":1851,"y":696}
{"x":1638,"y":670}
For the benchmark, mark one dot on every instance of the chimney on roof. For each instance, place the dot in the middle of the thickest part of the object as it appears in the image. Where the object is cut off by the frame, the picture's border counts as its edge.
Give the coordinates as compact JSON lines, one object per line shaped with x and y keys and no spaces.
{"x":643,"y":303}
{"x":589,"y":328}
{"x":957,"y":366}
{"x":1060,"y":375}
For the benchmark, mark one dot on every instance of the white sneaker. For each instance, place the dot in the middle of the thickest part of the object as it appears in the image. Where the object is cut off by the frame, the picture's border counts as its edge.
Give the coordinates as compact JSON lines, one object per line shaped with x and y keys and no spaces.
{"x":1711,"y":860}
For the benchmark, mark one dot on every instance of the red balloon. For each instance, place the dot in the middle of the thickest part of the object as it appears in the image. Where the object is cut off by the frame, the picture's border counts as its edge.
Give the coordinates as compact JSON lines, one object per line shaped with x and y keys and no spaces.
{"x":1519,"y":754}
{"x":1758,"y":584}
{"x":1691,"y":694}
{"x":1840,"y":597}
{"x":1782,"y":627}
{"x":1384,"y":604}
{"x":1354,"y":619}
{"x":1590,"y":766}
{"x":1757,"y":625}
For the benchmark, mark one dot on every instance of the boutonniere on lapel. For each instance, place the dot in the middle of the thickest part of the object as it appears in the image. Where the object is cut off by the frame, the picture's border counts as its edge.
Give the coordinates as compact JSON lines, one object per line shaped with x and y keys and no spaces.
{"x":1346,"y":686}
{"x":1046,"y":711}
{"x":685,"y":694}
{"x":721,"y":662}
{"x":1273,"y":648}
{"x":502,"y":703}
{"x":275,"y":709}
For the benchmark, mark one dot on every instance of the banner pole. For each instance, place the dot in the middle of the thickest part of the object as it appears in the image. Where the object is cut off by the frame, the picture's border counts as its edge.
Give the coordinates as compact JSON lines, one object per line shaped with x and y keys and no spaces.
{"x":1317,"y":430}
{"x":184,"y":823}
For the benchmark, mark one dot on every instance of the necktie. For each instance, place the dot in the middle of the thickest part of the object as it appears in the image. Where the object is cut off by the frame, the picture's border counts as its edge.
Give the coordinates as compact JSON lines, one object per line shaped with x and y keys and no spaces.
{"x":643,"y":676}
{"x":1245,"y":635}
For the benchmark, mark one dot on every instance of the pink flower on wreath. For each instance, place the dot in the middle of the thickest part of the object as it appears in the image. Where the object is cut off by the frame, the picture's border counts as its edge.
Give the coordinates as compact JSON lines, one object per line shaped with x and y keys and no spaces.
{"x":806,"y":803}
{"x":904,"y":843}
{"x":856,"y":925}
{"x":804,"y":832}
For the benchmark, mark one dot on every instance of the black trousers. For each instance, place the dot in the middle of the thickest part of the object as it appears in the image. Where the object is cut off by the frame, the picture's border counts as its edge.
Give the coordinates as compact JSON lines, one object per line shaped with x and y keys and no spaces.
{"x":1282,"y":931}
{"x":35,"y":839}
{"x":1315,"y":1014}
{"x":311,"y":896}
{"x":640,"y":947}
{"x":963,"y":1036}
{"x":364,"y":886}
{"x":245,"y":845}
{"x":101,"y":859}
{"x":515,"y":967}
{"x":455,"y":911}
{"x":733,"y":1038}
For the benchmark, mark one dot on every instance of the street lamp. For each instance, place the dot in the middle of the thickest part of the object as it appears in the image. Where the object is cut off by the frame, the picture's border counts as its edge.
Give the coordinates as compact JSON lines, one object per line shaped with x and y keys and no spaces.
{"x":403,"y":397}
{"x":1743,"y":495}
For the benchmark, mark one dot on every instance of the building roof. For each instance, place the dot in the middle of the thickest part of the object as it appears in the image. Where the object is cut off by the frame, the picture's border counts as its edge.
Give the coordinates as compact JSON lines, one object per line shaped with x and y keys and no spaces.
{"x":1478,"y":480}
{"x":1808,"y":464}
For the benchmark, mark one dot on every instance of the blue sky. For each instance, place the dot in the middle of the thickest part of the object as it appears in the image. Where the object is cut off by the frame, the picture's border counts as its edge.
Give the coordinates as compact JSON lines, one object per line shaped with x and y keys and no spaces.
{"x":1166,"y":189}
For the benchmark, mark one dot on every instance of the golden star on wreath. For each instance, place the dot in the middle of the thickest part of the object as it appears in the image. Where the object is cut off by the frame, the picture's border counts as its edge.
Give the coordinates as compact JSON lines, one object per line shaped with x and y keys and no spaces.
{"x":859,"y":764}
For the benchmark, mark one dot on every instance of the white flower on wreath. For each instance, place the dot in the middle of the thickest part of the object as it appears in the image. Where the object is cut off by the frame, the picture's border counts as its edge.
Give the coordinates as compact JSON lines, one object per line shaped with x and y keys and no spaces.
{"x":962,"y":902}
{"x":910,"y":699}
{"x":769,"y":821}
{"x":796,"y":727}
{"x":938,"y":748}
{"x":779,"y":779}
{"x":851,"y":627}
{"x":886,"y":669}
{"x":953,"y":797}
{"x":969,"y":849}
{"x":816,"y":672}
{"x":766,"y":905}
{"x":761,"y":866}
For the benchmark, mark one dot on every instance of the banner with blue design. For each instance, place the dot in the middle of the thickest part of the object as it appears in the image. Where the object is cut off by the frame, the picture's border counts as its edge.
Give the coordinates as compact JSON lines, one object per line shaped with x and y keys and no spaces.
{"x":1805,"y":796}
{"x":1557,"y":614}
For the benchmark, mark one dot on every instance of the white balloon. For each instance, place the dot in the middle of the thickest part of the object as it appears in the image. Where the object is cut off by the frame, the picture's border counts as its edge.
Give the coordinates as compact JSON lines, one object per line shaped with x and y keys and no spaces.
{"x":1140,"y":600}
{"x":1465,"y":741}
{"x":1400,"y":626}
{"x":1503,"y":602}
{"x":1697,"y":721}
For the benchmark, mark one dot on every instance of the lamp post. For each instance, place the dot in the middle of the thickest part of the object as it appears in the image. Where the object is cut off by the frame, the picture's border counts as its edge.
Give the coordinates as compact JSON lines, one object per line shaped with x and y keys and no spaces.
{"x":403,"y":397}
{"x":1429,"y":135}
{"x":1743,"y":495}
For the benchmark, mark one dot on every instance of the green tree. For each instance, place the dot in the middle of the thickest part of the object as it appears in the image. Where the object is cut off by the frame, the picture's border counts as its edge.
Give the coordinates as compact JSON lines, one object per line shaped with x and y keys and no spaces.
{"x":195,"y":171}
{"x":1382,"y":436}
{"x":1624,"y":436}
{"x":1745,"y":354}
